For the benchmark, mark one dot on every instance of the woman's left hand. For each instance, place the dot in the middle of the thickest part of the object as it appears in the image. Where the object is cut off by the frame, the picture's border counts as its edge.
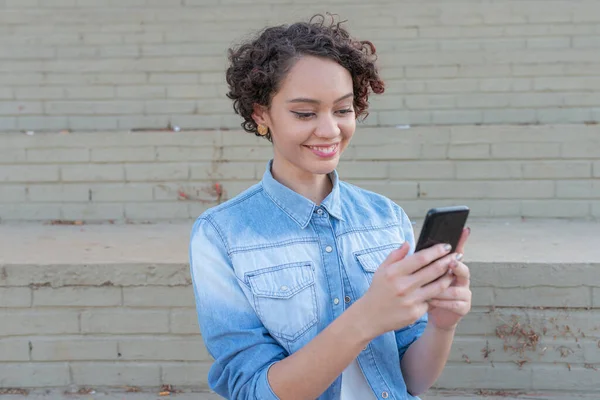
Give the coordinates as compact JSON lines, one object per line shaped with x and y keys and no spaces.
{"x":447,"y":309}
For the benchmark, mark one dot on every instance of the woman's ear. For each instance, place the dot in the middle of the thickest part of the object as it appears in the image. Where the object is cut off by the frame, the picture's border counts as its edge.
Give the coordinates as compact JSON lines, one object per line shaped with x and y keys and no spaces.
{"x":260,"y":115}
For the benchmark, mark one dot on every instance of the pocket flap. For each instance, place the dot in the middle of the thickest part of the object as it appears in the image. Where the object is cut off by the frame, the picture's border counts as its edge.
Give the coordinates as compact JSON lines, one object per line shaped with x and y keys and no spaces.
{"x":371,"y":259}
{"x":282,"y":281}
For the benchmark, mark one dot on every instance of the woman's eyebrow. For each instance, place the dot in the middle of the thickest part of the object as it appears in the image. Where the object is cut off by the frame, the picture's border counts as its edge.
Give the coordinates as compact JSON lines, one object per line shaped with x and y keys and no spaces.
{"x":314,"y":101}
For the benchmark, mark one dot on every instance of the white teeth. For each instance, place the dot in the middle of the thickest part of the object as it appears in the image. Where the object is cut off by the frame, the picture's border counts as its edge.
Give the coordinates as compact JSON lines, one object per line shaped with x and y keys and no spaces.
{"x":329,"y":149}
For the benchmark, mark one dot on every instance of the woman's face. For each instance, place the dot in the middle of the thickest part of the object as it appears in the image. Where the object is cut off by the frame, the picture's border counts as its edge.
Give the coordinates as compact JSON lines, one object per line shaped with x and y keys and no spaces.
{"x":311,"y":118}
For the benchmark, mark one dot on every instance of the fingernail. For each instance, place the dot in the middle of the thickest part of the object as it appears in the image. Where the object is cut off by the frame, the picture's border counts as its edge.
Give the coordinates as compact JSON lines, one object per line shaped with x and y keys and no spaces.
{"x":447,"y":247}
{"x":459,"y":256}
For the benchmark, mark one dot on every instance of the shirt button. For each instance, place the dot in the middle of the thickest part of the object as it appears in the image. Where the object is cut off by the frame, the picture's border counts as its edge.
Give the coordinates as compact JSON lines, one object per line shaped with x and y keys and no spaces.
{"x":347,"y":299}
{"x":385,"y":395}
{"x":336,"y":301}
{"x":319,"y":211}
{"x":329,"y":249}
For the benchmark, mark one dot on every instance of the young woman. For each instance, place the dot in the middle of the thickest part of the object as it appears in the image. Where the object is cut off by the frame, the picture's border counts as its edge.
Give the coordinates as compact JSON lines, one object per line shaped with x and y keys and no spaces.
{"x":306,"y":286}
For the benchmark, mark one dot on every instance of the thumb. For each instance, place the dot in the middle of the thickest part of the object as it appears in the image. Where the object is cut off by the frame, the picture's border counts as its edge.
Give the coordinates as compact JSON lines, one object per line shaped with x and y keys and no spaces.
{"x":397,"y":255}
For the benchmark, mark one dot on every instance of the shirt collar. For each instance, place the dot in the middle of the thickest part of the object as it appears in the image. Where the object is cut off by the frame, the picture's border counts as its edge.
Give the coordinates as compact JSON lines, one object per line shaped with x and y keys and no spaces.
{"x":296,"y":206}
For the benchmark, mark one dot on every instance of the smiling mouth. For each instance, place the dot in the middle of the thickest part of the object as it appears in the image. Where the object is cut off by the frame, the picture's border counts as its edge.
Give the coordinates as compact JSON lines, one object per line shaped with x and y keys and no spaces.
{"x":325,"y":151}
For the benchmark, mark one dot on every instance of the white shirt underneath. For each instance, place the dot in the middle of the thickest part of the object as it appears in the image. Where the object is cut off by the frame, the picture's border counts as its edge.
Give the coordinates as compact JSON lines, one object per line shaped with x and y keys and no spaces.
{"x":355,"y":385}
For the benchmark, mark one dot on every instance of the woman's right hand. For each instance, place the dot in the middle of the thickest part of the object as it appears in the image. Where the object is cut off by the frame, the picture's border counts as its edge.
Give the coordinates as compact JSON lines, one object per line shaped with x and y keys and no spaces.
{"x":402,"y":286}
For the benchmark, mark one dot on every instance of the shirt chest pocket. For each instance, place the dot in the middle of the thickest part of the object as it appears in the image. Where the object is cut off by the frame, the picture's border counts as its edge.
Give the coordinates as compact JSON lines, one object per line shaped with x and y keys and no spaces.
{"x":370,"y":259}
{"x":285,"y":298}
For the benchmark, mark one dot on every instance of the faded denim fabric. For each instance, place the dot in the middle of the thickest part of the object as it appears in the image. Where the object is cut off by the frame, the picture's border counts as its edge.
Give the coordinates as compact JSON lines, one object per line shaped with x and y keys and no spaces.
{"x":270,"y":270}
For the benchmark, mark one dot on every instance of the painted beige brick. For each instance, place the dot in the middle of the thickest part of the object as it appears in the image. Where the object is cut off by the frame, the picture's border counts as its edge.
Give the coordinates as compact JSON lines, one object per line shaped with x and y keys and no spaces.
{"x":29,"y":173}
{"x":57,"y":193}
{"x":458,"y":117}
{"x":170,"y":107}
{"x":15,"y":297}
{"x":596,"y":297}
{"x":12,"y":193}
{"x":586,"y":149}
{"x":184,"y":321}
{"x":525,"y":150}
{"x":157,"y":296}
{"x":77,"y":297}
{"x":421,"y":170}
{"x":128,"y":192}
{"x":225,"y":170}
{"x":186,"y":153}
{"x":92,"y":173}
{"x":57,"y":155}
{"x":516,"y":116}
{"x":489,"y":189}
{"x":402,"y":152}
{"x":32,"y":375}
{"x":12,"y":156}
{"x":180,"y":373}
{"x":73,"y":348}
{"x":469,"y":151}
{"x":123,"y":154}
{"x":506,"y":85}
{"x":116,"y":373}
{"x":596,"y":169}
{"x":156,"y":172}
{"x":557,"y":169}
{"x":578,"y":189}
{"x":596,"y":209}
{"x":90,"y":92}
{"x":21,"y":108}
{"x":36,"y":322}
{"x":144,"y":122}
{"x":29,"y":212}
{"x":14,"y":349}
{"x":432,"y":72}
{"x":124,"y":321}
{"x":488,"y":170}
{"x":393,"y":190}
{"x":357,"y":170}
{"x":170,"y":348}
{"x":92,"y":123}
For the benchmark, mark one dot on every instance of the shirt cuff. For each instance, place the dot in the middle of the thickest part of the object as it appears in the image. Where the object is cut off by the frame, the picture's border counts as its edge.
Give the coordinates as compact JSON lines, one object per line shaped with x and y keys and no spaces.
{"x":264,"y":390}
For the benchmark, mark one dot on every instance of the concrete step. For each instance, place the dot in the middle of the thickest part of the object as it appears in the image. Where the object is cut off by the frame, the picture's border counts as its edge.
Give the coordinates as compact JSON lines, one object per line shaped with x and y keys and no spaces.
{"x":535,"y":322}
{"x":112,"y":394}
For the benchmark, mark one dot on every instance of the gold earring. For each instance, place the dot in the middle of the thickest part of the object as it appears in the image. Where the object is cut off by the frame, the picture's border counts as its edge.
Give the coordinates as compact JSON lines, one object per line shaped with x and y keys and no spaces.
{"x":262,"y":130}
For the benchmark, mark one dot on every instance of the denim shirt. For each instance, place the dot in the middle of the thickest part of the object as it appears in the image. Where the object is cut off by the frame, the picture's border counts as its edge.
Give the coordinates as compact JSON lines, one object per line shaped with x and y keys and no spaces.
{"x":271,"y":269}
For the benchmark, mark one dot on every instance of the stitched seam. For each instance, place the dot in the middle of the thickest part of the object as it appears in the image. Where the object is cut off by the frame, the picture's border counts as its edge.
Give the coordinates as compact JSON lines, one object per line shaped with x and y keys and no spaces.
{"x":368,"y":228}
{"x":271,"y":245}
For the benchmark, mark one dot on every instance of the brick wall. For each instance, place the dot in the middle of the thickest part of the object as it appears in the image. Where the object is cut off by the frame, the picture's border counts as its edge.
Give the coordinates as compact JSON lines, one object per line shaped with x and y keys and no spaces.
{"x":499,"y":171}
{"x":100,"y":325}
{"x":139,"y":64}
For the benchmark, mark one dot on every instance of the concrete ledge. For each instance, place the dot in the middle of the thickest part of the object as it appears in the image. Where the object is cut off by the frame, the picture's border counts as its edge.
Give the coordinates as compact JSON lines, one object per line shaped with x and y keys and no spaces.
{"x":514,"y":241}
{"x":112,"y":305}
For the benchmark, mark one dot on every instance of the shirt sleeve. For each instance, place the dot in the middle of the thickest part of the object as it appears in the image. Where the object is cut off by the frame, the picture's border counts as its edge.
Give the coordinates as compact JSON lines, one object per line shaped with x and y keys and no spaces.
{"x":408,"y":335}
{"x":242,"y":348}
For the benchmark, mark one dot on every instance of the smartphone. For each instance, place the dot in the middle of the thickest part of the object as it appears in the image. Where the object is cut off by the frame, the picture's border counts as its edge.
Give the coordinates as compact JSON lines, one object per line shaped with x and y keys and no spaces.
{"x":443,"y":225}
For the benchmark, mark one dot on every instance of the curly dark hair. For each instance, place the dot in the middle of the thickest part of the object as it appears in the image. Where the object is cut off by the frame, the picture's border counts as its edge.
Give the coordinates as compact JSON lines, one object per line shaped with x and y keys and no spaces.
{"x":258,"y":66}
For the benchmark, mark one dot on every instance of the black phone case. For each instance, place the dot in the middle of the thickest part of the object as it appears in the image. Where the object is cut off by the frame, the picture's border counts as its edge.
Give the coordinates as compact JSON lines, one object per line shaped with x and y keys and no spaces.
{"x":442,"y":225}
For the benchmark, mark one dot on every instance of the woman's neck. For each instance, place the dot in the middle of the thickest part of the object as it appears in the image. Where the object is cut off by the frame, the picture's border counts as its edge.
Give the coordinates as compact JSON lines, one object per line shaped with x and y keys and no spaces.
{"x":315,"y":187}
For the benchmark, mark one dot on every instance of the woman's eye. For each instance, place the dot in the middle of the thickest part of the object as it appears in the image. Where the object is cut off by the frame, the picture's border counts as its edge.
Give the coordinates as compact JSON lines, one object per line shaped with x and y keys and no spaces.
{"x":302,"y":115}
{"x":346,"y":111}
